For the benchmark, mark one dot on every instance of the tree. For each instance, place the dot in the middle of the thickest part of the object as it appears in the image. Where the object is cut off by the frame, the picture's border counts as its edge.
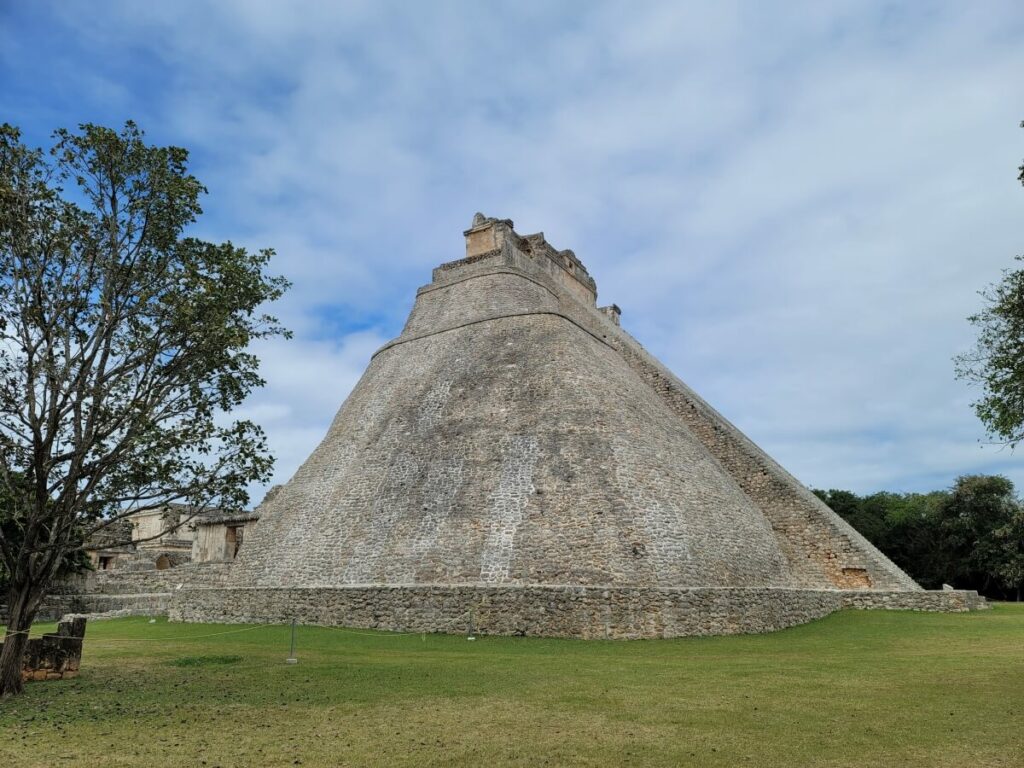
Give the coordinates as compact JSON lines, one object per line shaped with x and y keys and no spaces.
{"x":907,"y":527}
{"x":971,"y":536}
{"x":980,"y":508}
{"x":75,"y":561}
{"x":123,"y":349}
{"x":915,"y":539}
{"x":997,"y":361}
{"x":1010,"y":538}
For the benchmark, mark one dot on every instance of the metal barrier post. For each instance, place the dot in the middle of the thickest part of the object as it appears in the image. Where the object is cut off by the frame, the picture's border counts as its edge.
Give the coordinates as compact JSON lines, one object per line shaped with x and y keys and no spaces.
{"x":291,"y":656}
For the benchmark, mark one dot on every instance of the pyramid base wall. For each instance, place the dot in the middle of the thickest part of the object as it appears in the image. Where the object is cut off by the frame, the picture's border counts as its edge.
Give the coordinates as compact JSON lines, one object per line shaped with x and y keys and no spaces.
{"x":549,"y":611}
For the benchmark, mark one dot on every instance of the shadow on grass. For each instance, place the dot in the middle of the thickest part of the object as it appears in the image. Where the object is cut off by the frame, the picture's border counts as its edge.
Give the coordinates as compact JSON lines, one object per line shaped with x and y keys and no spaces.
{"x":205,"y":661}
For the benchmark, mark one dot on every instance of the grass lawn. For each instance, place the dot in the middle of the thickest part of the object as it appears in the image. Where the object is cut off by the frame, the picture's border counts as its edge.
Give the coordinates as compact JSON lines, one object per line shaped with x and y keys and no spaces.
{"x":855,"y":689}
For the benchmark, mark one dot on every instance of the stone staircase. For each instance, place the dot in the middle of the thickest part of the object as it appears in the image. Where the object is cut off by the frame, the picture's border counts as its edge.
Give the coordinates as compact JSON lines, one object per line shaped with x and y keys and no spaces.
{"x":130,"y":591}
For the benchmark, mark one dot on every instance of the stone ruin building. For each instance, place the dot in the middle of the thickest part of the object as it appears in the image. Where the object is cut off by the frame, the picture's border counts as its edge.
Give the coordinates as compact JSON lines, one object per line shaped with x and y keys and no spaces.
{"x":169,"y":536}
{"x":139,"y":560}
{"x":516,"y":463}
{"x":219,"y":535}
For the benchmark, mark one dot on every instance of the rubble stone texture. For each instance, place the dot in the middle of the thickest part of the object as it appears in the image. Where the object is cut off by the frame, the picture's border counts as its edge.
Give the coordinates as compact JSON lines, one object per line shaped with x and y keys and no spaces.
{"x":55,"y":655}
{"x":517,"y":448}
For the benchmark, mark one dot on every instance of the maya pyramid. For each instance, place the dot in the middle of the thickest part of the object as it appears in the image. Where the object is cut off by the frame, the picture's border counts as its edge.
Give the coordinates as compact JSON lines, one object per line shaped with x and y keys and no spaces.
{"x":516,"y":462}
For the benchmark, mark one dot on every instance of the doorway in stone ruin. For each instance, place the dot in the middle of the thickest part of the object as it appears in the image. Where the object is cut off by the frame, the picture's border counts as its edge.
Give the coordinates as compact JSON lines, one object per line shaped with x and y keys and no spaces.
{"x":233,"y":541}
{"x":163,"y":563}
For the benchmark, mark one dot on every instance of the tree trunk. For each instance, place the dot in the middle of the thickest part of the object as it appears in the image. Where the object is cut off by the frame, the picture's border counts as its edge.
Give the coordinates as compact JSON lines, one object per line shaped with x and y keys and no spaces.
{"x":22,"y":604}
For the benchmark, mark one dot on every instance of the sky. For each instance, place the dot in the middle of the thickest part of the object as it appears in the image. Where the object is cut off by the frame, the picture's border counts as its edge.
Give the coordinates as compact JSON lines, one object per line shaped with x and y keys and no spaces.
{"x":795,"y":204}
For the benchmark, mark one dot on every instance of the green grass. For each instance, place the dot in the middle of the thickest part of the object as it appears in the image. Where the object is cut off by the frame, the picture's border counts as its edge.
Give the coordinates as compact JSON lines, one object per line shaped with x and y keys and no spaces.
{"x":855,"y":689}
{"x":206,"y":661}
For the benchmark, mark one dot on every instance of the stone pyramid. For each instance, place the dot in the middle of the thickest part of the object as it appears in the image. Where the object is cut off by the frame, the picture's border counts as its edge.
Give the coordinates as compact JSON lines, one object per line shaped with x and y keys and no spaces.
{"x":515,"y":462}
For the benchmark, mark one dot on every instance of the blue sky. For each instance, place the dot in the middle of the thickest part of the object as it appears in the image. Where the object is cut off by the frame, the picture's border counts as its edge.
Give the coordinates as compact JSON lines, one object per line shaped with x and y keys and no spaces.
{"x":794,"y":203}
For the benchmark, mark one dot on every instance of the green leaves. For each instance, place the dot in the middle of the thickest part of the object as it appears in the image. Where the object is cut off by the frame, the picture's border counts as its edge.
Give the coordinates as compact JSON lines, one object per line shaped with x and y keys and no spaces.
{"x":123,"y":343}
{"x":996,"y":363}
{"x":971,"y":535}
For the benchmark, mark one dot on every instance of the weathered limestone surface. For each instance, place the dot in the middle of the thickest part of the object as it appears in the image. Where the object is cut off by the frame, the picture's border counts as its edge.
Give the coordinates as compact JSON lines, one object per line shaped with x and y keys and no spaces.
{"x":515,"y":440}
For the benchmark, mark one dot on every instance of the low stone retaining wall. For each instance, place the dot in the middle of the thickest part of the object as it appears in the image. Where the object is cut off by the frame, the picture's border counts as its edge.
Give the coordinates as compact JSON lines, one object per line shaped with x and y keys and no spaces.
{"x":129,"y":592}
{"x":584,"y":612}
{"x":946,"y":601}
{"x":145,"y":604}
{"x":124,"y":581}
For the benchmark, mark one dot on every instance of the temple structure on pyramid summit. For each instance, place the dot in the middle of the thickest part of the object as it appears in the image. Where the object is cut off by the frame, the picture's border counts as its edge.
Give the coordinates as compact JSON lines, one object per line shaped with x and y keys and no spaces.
{"x":516,"y":463}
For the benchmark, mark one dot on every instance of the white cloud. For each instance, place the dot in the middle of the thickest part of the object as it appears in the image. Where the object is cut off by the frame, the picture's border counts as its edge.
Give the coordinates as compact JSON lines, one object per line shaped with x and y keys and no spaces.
{"x":794,"y":203}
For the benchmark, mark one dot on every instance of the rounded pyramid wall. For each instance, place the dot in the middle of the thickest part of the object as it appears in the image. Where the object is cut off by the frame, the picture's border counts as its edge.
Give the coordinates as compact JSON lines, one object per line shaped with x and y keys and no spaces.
{"x":513,"y":450}
{"x":517,"y":463}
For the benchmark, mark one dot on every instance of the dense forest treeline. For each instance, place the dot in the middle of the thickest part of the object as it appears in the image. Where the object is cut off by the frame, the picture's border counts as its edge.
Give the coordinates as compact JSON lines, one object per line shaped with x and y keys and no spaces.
{"x":970,"y":536}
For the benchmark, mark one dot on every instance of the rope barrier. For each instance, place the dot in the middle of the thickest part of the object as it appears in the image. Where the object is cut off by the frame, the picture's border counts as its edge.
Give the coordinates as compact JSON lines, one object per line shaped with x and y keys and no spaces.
{"x":164,"y":639}
{"x":383,"y":633}
{"x":179,"y":637}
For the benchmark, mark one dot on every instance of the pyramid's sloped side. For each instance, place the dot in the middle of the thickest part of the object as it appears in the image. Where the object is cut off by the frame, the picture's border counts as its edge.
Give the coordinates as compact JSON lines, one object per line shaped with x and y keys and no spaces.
{"x":516,"y":448}
{"x":823,"y":549}
{"x":513,"y":434}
